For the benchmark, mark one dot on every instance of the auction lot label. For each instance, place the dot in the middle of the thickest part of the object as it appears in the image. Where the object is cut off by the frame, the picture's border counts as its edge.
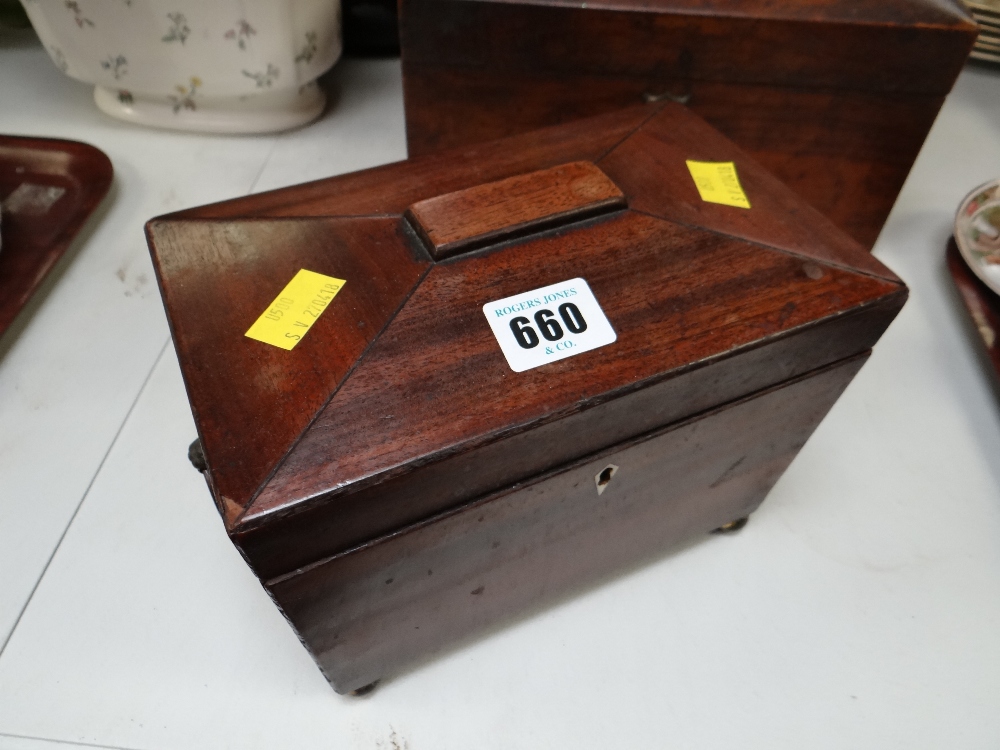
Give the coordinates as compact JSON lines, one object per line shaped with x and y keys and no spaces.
{"x":548,"y":324}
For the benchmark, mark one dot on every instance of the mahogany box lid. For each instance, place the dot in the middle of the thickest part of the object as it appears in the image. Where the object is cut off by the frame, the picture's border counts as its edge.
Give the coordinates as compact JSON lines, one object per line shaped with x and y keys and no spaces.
{"x":399,"y":403}
{"x":835,"y":97}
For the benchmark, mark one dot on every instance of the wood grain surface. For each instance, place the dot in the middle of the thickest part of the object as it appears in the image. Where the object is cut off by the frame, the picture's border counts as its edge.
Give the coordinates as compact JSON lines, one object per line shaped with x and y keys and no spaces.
{"x":327,"y":444}
{"x":390,"y":189}
{"x":378,"y":456}
{"x":251,"y":401}
{"x":513,"y":207}
{"x":384,"y":606}
{"x":834,"y":97}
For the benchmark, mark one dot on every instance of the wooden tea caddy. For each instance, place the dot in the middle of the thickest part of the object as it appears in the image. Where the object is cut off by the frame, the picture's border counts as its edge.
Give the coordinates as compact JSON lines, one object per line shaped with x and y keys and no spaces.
{"x":395,"y":484}
{"x":834,"y":97}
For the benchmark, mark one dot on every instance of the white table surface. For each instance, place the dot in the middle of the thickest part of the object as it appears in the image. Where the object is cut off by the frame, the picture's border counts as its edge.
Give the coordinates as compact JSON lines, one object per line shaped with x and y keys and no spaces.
{"x":859,"y":608}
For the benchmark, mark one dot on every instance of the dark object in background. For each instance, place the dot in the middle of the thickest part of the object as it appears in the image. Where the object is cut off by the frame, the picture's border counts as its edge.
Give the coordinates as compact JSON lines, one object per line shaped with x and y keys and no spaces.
{"x":394,"y":483}
{"x":371,"y":28}
{"x":48,"y":189}
{"x":12,"y":15}
{"x":835,"y":98}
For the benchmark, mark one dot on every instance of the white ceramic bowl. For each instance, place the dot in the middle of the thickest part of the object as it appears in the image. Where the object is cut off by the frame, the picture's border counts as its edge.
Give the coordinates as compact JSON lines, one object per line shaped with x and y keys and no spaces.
{"x":223,"y":66}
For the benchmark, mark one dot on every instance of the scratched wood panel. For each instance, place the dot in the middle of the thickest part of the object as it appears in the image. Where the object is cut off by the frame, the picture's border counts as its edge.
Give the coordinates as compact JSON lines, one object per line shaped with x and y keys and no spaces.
{"x":379,"y":608}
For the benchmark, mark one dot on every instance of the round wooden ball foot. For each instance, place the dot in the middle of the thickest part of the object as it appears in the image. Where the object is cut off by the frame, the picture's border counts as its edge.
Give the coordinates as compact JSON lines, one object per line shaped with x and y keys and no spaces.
{"x":196,"y":455}
{"x":364,"y":689}
{"x":732,"y":526}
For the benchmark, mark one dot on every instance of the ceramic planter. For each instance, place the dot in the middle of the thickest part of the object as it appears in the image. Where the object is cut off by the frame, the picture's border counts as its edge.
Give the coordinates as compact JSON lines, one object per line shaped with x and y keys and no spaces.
{"x":223,"y":66}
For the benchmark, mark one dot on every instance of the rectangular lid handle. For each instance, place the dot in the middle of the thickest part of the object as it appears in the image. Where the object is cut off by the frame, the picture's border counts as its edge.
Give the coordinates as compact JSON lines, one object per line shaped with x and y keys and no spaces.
{"x":516,"y":206}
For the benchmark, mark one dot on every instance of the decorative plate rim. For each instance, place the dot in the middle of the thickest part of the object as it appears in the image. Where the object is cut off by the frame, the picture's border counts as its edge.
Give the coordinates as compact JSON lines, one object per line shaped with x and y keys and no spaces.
{"x":970,"y":257}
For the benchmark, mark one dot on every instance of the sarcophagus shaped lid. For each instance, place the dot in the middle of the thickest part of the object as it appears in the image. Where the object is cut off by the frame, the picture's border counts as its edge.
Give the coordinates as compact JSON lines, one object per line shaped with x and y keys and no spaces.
{"x":365,"y":351}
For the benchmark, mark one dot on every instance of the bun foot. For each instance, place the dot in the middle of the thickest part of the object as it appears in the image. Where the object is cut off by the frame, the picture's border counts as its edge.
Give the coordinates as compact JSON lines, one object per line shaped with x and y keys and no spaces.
{"x":196,"y":455}
{"x":732,"y":526}
{"x":364,"y":690}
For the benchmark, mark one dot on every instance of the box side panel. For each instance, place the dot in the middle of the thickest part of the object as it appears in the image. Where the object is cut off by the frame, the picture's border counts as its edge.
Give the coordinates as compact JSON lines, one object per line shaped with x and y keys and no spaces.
{"x":293,"y":541}
{"x":380,"y":608}
{"x":885,"y":12}
{"x":517,"y":37}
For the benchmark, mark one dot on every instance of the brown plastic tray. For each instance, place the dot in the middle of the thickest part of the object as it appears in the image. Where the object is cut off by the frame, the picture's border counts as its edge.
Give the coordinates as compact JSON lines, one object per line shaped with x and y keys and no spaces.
{"x":48,"y":188}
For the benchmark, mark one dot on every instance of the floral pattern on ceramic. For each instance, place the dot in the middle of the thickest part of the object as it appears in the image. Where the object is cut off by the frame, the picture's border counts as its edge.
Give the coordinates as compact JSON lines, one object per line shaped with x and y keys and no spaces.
{"x":977,"y":232}
{"x":179,"y":30}
{"x":265,"y":78}
{"x":241,"y":33}
{"x":117,"y":65}
{"x":309,"y":49}
{"x":236,"y":66}
{"x":81,"y":20}
{"x":184,"y":98}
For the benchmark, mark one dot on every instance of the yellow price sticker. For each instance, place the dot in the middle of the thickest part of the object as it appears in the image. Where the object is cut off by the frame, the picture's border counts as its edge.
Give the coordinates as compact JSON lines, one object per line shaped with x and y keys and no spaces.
{"x":717,"y":182}
{"x":295,"y":309}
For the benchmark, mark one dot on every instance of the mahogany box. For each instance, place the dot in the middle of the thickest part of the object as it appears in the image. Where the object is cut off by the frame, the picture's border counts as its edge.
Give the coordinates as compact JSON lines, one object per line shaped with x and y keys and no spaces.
{"x":532,"y":364}
{"x":834,"y":97}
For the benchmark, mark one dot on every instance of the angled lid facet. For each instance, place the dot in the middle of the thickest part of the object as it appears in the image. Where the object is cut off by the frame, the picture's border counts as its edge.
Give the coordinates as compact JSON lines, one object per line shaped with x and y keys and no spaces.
{"x":251,"y":401}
